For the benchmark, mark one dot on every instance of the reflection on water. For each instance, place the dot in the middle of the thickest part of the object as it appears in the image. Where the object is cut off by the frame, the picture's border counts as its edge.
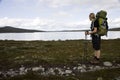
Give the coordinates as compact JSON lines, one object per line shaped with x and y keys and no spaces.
{"x":53,"y":36}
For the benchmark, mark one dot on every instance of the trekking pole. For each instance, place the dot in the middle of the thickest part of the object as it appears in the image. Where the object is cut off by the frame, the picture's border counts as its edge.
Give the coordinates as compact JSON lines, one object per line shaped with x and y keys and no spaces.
{"x":85,"y":49}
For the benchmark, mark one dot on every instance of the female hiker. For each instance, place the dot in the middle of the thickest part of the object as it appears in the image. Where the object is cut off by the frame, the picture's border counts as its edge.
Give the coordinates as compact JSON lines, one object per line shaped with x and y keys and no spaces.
{"x":96,"y":39}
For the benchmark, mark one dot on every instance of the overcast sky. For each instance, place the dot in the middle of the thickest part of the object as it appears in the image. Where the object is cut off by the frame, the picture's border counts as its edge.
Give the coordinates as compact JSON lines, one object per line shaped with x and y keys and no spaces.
{"x":56,"y":14}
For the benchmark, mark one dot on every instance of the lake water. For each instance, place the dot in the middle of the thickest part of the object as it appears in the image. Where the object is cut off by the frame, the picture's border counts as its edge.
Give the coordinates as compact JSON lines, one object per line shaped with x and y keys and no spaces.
{"x":46,"y":36}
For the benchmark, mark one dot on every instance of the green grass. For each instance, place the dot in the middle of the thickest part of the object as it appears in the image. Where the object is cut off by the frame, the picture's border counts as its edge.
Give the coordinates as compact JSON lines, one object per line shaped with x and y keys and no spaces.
{"x":13,"y":54}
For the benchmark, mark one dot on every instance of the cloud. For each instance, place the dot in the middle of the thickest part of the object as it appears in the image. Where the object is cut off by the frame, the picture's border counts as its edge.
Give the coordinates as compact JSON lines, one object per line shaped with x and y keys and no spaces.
{"x":41,"y":24}
{"x":48,"y":24}
{"x":55,"y":3}
{"x":59,"y":14}
{"x":88,"y":4}
{"x":114,"y":22}
{"x":96,"y":4}
{"x":24,"y":23}
{"x":62,"y":14}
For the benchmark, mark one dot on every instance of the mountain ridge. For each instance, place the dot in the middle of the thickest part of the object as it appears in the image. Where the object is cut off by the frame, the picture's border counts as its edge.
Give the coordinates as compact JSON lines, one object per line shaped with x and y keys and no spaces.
{"x":10,"y":29}
{"x":115,"y":29}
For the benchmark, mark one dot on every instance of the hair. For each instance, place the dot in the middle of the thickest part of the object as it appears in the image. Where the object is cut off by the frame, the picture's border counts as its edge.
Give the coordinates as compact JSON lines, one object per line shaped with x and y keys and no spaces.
{"x":92,"y":16}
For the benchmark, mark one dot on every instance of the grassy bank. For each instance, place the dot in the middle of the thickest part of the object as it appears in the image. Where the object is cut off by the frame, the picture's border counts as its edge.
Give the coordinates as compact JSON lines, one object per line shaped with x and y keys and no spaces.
{"x":13,"y":54}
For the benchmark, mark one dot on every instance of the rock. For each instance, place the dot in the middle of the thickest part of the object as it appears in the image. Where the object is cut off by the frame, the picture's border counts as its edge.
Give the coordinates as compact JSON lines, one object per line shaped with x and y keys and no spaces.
{"x":91,"y":67}
{"x":59,"y":71}
{"x":22,"y":68}
{"x":51,"y":71}
{"x":68,"y":67}
{"x":68,"y":71}
{"x":74,"y":68}
{"x":107,"y":64}
{"x":84,"y":66}
{"x":97,"y":68}
{"x":83,"y":70}
{"x":35,"y":68}
{"x":80,"y":67}
{"x":40,"y":68}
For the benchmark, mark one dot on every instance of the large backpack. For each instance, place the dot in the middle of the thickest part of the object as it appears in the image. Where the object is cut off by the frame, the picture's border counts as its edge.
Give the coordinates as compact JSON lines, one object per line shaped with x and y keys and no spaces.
{"x":102,"y":20}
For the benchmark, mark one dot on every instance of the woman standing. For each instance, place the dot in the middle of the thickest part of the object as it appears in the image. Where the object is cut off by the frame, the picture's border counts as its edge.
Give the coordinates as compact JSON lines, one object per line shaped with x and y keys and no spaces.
{"x":96,"y":39}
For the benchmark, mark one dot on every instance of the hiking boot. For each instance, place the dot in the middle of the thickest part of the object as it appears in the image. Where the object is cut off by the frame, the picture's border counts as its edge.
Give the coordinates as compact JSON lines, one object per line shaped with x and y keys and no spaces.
{"x":95,"y":62}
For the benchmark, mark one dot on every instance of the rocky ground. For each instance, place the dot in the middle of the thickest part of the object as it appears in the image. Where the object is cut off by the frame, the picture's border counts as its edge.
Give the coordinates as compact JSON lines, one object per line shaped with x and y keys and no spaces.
{"x":59,"y":70}
{"x":57,"y":60}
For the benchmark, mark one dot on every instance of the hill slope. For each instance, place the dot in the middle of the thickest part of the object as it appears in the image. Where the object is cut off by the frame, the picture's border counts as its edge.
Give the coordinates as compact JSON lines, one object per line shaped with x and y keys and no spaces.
{"x":9,"y":29}
{"x":114,"y":29}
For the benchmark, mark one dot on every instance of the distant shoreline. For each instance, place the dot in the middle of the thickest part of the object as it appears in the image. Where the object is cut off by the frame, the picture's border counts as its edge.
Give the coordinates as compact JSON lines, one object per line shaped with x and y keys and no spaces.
{"x":55,"y":40}
{"x":9,"y":29}
{"x":52,"y":31}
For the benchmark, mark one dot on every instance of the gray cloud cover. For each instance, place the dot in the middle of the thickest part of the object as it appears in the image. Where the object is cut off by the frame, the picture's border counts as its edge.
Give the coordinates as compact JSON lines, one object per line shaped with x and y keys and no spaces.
{"x":73,"y":5}
{"x":107,"y":4}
